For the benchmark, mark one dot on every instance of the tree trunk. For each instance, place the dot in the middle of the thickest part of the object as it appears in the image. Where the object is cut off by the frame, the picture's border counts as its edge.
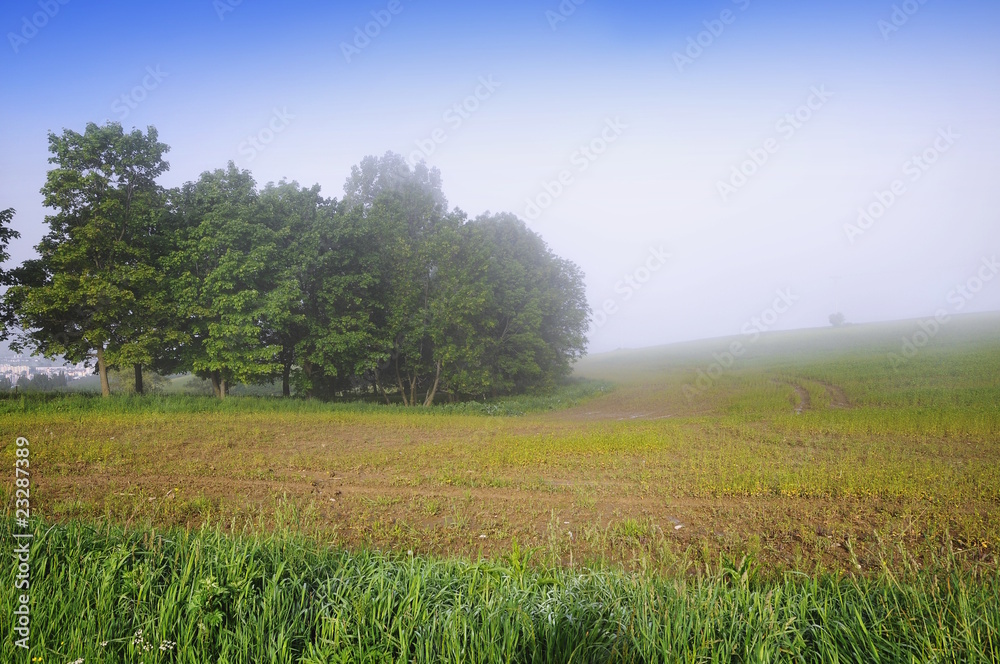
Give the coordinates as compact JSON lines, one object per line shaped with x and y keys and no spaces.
{"x":437,"y":378}
{"x":286,"y":386}
{"x":223,"y":389}
{"x":138,"y":379}
{"x":217,"y":384}
{"x":307,"y":369}
{"x":399,"y":381}
{"x":378,"y":386}
{"x":102,"y":371}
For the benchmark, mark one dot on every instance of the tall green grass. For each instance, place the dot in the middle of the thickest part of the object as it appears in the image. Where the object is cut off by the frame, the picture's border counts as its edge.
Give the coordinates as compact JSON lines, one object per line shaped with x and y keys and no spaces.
{"x":106,"y":594}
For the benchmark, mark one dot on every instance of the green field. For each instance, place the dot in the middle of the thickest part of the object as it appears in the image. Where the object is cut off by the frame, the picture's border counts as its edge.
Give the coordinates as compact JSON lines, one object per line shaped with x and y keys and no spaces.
{"x":814,"y":499}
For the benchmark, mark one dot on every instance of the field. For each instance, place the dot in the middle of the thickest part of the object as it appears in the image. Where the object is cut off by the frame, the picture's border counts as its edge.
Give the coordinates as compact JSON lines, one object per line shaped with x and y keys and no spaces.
{"x":674,"y":490}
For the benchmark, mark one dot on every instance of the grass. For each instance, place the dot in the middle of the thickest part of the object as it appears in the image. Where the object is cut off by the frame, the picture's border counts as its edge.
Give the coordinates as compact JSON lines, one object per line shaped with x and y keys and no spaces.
{"x":570,"y":393}
{"x":865,"y":491}
{"x":105,"y":594}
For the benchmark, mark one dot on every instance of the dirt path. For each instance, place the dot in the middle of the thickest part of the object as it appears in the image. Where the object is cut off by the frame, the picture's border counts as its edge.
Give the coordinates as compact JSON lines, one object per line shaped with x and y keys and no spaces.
{"x":805,"y":403}
{"x":838,"y":399}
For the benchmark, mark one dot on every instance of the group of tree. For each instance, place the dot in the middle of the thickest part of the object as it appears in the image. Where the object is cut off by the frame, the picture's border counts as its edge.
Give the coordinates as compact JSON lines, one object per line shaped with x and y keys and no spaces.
{"x":385,"y":289}
{"x":39,"y":382}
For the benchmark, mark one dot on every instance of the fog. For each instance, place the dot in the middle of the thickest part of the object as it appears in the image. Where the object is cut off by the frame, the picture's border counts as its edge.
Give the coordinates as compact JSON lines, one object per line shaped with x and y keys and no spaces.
{"x":710,"y":166}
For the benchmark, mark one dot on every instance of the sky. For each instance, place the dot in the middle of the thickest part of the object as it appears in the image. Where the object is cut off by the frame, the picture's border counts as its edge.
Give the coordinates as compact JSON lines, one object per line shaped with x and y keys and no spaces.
{"x":710,"y":166}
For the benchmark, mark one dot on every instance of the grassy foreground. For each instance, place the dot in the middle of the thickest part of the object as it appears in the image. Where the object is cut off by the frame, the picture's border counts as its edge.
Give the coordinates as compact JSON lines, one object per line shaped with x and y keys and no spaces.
{"x":105,"y":594}
{"x":588,"y":525}
{"x":811,"y":452}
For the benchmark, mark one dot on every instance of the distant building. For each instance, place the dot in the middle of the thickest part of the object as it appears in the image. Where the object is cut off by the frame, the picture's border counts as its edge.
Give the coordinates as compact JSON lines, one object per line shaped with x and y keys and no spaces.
{"x":14,"y":370}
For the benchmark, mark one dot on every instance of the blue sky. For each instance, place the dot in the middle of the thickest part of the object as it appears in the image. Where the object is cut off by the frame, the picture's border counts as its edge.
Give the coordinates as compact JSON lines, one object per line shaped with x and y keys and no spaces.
{"x":606,"y":126}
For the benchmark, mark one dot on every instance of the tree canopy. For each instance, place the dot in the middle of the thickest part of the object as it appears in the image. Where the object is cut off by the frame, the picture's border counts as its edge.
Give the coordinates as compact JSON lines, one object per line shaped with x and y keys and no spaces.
{"x":93,"y":289}
{"x":385,"y":290}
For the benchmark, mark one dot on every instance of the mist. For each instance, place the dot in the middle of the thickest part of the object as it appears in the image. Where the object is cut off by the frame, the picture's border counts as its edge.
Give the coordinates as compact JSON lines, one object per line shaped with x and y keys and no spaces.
{"x":715,"y":169}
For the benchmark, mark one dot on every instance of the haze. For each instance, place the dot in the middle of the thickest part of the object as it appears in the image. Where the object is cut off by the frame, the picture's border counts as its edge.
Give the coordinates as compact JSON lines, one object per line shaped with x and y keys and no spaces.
{"x":701,"y":162}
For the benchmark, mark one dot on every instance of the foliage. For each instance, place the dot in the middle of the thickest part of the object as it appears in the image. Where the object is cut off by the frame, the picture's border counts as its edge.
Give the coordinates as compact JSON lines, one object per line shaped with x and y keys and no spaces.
{"x":104,"y":593}
{"x":95,"y":289}
{"x":6,"y":235}
{"x":386,"y":290}
{"x":191,"y":399}
{"x":222,"y":274}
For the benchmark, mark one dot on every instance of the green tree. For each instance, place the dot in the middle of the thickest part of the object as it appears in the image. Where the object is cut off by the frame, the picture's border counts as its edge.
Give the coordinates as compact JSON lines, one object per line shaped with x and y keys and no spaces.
{"x":467,"y":308}
{"x":89,"y":291}
{"x":407,"y":209}
{"x":222,"y":271}
{"x":296,"y":216}
{"x":6,"y":235}
{"x":530,"y":317}
{"x":7,"y":278}
{"x":343,"y":343}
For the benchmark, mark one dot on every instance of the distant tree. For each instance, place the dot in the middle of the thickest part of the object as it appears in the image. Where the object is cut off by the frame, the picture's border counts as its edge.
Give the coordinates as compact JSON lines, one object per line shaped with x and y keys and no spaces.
{"x":837,"y":319}
{"x":42,"y":382}
{"x":122,"y":382}
{"x":90,"y":291}
{"x":5,"y":383}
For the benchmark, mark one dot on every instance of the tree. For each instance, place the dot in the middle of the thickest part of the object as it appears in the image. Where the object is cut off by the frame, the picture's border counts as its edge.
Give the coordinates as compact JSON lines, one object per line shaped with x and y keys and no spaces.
{"x":386,"y":289}
{"x":88,"y":293}
{"x":407,"y":210}
{"x":222,"y":270}
{"x":295,"y":215}
{"x":6,"y":235}
{"x":837,"y":319}
{"x":468,"y":308}
{"x":121,"y":382}
{"x":6,"y":277}
{"x":345,"y":340}
{"x":533,"y":317}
